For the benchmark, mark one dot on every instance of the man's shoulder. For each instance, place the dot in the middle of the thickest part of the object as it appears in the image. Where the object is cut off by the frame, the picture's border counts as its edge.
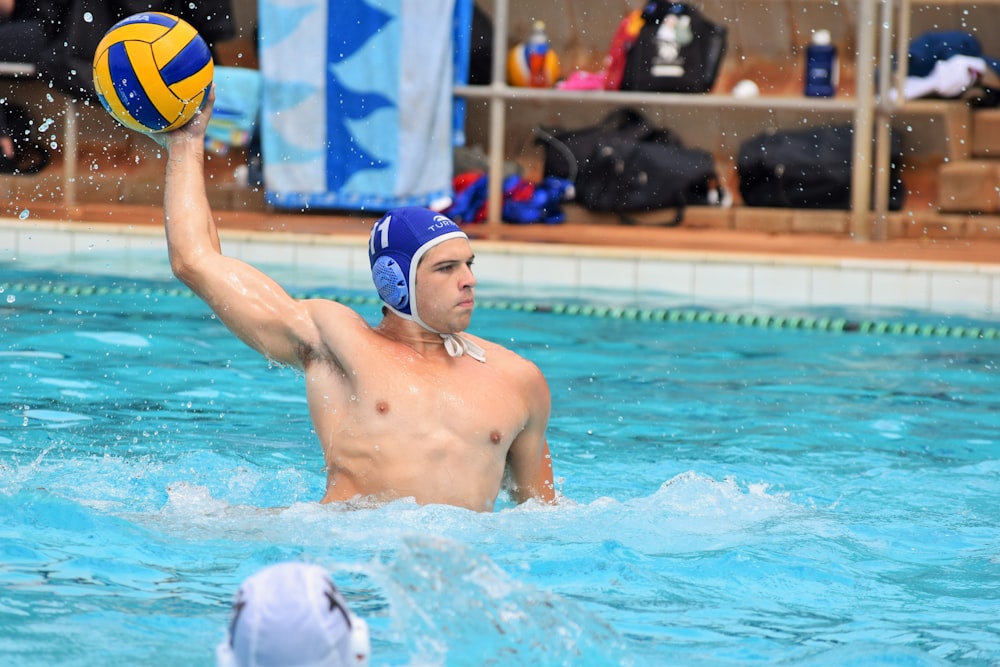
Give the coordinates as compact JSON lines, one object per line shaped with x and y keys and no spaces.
{"x":339,"y":327}
{"x":495,"y":352}
{"x":520,"y":370}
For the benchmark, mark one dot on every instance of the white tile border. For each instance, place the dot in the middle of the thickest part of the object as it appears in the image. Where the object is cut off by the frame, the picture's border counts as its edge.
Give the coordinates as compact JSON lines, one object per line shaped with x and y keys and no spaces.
{"x":694,"y":277}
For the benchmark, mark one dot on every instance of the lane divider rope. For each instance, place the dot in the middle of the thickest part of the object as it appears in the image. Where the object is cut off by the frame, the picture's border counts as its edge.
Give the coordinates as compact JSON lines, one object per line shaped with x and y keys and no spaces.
{"x":680,"y":315}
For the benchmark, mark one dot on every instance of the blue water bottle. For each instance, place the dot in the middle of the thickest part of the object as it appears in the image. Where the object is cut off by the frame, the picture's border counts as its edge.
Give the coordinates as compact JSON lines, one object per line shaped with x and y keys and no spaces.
{"x":821,"y":66}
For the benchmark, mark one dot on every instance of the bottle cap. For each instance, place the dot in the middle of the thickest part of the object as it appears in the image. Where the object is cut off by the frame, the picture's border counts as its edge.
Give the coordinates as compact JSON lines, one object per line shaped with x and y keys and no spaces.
{"x":821,"y":37}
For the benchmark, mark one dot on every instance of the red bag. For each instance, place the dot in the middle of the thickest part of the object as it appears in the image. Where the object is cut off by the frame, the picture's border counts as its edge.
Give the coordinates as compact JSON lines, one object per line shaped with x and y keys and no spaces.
{"x":623,"y":39}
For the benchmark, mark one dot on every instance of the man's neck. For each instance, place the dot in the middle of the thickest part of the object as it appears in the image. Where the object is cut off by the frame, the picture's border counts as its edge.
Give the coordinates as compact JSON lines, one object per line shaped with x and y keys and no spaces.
{"x":428,"y":343}
{"x":410,"y":333}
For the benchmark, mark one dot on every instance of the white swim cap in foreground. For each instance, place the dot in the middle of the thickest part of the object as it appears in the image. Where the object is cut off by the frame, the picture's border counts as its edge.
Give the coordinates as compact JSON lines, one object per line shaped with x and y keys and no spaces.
{"x":292,"y":615}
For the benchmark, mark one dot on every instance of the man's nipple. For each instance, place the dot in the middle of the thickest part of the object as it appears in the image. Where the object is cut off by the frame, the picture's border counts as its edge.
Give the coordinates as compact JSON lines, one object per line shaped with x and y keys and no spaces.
{"x":382,"y":407}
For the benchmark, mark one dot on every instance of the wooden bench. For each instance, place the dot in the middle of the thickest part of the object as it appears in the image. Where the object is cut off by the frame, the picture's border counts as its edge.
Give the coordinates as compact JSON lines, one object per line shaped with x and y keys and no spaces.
{"x":28,"y":72}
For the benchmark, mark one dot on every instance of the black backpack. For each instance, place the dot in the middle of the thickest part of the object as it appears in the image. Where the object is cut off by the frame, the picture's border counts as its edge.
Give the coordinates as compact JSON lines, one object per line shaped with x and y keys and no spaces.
{"x":677,"y":50}
{"x":808,"y":168}
{"x":30,"y":153}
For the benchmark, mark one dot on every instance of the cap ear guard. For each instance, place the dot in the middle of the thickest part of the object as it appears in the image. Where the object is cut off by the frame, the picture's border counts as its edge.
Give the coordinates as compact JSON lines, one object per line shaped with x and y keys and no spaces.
{"x":390,"y":282}
{"x":361,"y":645}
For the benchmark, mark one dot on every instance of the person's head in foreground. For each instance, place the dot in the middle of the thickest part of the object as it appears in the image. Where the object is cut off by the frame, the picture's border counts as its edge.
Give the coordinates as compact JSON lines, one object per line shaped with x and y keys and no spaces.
{"x":292,"y":615}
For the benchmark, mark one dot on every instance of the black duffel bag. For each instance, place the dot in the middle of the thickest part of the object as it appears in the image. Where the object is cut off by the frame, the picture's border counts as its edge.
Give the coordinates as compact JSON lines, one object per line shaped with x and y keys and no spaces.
{"x":567,"y":150}
{"x":808,"y":169}
{"x":624,"y":165}
{"x":628,"y":176}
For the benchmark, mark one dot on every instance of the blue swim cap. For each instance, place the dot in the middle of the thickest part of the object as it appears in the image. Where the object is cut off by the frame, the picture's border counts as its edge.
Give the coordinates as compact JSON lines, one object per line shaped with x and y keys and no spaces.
{"x":398,"y":241}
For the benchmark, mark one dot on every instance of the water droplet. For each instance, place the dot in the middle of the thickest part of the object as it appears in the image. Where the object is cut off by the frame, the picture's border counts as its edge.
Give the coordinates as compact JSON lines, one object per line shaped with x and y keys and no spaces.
{"x":88,"y":17}
{"x":11,"y":298}
{"x":23,"y":215}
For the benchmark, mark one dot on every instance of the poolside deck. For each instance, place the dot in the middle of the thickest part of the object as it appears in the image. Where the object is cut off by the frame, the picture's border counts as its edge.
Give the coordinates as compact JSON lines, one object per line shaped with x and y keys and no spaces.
{"x":127,"y":189}
{"x":572,"y":233}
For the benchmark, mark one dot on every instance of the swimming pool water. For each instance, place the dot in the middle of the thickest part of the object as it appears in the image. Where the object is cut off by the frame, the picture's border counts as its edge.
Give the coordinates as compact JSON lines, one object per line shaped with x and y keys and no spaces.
{"x":732,"y":495}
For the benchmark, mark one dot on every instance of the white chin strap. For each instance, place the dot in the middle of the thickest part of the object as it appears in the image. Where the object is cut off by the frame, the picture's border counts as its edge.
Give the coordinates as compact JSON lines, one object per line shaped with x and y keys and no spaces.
{"x":456,"y":346}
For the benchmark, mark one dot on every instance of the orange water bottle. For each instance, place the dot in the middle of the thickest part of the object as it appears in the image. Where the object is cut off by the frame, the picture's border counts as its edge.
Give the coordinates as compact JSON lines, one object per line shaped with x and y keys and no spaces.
{"x":537,"y":51}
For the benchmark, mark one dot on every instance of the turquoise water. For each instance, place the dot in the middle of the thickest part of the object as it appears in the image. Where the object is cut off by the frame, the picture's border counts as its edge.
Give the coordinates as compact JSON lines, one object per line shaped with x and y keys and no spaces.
{"x":731,"y":494}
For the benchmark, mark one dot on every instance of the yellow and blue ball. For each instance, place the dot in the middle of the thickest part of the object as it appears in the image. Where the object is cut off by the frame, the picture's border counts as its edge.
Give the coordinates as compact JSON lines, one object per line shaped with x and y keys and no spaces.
{"x":153,"y":71}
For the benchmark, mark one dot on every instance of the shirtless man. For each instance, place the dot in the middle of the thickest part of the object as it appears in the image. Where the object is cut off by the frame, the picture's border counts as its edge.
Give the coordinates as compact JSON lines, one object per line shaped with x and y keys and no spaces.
{"x":406,"y":409}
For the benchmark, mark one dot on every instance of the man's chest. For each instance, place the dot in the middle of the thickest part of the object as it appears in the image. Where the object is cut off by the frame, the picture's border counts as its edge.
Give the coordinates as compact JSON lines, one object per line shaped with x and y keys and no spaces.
{"x":473,"y":400}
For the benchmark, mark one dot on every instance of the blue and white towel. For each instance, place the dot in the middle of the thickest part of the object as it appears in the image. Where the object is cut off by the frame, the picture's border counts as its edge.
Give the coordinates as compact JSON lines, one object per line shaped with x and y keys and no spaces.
{"x":357,"y":109}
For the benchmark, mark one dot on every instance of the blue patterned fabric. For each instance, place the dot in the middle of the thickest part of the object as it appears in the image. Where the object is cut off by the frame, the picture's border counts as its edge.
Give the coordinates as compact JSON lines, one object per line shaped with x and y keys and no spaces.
{"x":357,"y":109}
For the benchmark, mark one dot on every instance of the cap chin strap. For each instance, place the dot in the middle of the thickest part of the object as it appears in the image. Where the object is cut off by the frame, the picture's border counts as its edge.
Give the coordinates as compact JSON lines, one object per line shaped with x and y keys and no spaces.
{"x":456,"y":346}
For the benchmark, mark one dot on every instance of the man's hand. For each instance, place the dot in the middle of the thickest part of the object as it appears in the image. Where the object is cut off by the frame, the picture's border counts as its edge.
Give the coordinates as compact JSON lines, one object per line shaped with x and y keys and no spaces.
{"x":194,"y":129}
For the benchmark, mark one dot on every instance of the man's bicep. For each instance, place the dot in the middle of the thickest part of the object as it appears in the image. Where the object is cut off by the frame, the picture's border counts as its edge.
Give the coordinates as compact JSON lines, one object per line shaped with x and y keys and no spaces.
{"x":532,"y":477}
{"x":257,"y":310}
{"x":531,"y":470}
{"x":530,"y":460}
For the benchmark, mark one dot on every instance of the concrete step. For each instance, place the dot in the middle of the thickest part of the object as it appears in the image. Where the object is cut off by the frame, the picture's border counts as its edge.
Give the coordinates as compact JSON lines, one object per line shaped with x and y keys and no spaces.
{"x":986,"y":133}
{"x":969,"y":186}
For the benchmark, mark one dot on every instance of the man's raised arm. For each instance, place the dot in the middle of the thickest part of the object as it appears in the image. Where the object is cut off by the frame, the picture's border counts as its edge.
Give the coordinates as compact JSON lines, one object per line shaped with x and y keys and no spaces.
{"x":251,"y":304}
